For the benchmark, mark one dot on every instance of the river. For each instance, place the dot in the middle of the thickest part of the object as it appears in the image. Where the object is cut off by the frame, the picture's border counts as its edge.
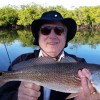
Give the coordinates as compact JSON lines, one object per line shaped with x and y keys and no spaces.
{"x":86,"y":44}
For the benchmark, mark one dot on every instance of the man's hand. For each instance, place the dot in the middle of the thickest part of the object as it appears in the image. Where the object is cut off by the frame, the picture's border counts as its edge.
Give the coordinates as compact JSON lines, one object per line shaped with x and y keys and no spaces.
{"x":28,"y":91}
{"x":88,"y":92}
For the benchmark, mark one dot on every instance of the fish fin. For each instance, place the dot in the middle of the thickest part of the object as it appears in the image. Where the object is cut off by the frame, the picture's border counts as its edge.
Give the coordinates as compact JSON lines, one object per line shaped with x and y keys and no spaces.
{"x":95,"y":80}
{"x":72,"y":95}
{"x":68,"y":59}
{"x":32,"y":62}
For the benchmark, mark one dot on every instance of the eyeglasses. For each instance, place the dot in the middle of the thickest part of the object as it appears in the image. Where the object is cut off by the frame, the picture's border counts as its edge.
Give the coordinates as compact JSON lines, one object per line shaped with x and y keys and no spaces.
{"x":47,"y":29}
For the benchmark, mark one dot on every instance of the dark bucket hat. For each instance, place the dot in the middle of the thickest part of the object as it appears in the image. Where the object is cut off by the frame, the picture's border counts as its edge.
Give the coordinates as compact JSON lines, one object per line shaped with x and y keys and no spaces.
{"x":54,"y":16}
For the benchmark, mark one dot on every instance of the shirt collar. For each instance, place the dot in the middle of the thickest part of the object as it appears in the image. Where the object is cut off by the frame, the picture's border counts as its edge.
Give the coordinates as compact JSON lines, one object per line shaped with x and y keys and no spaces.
{"x":61,"y":56}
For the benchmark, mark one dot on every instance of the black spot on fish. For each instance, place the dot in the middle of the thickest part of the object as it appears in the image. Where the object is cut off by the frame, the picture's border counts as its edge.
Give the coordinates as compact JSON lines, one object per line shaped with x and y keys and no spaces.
{"x":0,"y":73}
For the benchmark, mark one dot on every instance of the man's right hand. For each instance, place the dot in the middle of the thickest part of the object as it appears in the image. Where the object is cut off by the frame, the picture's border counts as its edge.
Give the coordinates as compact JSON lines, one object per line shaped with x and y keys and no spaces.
{"x":28,"y":91}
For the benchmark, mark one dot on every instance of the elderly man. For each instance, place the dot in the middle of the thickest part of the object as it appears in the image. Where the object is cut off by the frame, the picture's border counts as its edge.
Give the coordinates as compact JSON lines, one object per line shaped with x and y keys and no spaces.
{"x":52,"y":33}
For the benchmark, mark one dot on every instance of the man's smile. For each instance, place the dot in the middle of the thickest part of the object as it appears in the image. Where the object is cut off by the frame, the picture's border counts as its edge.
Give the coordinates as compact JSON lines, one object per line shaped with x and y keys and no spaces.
{"x":52,"y":43}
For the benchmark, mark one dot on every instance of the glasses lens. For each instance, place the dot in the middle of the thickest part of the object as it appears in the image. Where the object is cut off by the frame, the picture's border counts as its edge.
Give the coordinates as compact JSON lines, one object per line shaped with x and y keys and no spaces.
{"x":59,"y":30}
{"x":46,"y":30}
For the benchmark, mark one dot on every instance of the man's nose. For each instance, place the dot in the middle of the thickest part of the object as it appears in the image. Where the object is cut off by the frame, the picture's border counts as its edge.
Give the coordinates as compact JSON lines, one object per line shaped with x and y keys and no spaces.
{"x":52,"y":34}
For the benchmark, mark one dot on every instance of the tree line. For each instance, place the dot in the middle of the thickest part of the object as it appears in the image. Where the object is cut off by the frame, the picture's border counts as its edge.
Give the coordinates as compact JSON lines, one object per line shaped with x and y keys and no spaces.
{"x":12,"y":16}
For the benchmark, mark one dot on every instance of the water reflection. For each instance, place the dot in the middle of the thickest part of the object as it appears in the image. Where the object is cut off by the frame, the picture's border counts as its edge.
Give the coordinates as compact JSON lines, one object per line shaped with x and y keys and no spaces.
{"x":86,"y":44}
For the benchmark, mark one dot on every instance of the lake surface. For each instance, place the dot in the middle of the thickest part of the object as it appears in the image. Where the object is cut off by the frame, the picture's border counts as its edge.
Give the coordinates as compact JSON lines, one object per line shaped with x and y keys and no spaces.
{"x":86,"y":45}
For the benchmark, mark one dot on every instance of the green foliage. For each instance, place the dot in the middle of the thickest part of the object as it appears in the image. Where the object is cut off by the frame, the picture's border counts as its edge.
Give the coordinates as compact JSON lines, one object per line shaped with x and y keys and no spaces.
{"x":88,"y":15}
{"x":27,"y":13}
{"x":8,"y":16}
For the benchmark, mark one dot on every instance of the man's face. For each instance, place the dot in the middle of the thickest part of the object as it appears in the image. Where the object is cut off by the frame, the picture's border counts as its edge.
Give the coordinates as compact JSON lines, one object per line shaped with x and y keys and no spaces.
{"x":52,"y":38}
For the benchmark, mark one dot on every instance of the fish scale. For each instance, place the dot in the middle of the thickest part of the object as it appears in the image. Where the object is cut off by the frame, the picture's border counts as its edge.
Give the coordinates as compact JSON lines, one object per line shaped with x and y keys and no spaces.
{"x":60,"y":76}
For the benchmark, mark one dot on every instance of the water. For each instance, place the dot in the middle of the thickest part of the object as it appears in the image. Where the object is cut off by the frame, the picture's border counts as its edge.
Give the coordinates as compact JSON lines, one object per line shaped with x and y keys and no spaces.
{"x":85,"y":51}
{"x":14,"y":50}
{"x":85,"y":45}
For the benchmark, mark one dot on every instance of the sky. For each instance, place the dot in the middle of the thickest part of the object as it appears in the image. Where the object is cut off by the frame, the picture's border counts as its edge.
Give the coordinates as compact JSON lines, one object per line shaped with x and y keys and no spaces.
{"x":69,"y":4}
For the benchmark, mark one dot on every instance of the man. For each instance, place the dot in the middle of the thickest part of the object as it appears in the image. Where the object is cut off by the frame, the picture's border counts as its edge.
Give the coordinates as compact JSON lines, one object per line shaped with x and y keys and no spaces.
{"x":52,"y":33}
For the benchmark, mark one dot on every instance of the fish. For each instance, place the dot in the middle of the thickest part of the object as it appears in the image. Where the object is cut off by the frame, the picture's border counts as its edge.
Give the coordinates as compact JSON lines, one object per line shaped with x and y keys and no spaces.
{"x":59,"y":76}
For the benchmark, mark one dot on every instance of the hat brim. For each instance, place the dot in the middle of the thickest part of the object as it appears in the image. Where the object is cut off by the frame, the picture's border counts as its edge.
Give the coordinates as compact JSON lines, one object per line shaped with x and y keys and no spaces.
{"x":68,"y":22}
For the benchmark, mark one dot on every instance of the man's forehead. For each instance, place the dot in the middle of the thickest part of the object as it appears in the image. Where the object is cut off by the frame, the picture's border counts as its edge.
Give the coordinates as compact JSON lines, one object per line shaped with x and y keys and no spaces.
{"x":53,"y":22}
